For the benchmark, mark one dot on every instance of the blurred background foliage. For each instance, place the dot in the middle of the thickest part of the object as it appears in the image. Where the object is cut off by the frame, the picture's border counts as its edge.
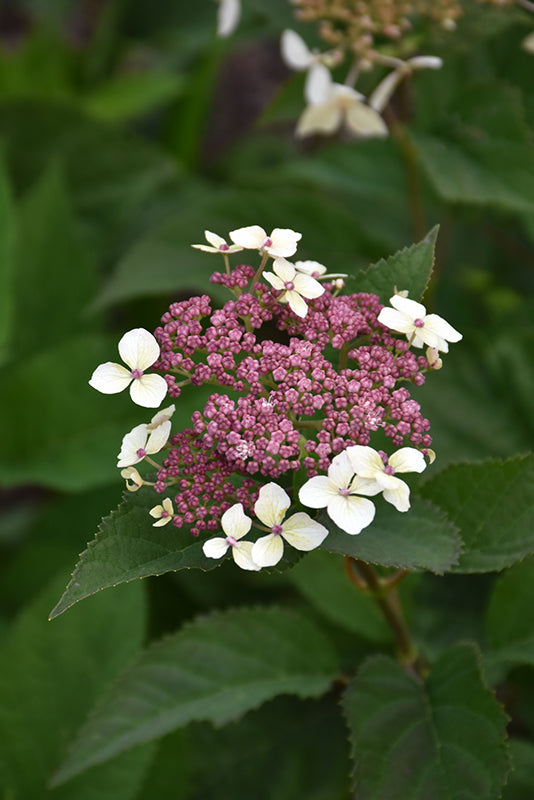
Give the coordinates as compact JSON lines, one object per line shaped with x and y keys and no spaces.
{"x":126,"y":129}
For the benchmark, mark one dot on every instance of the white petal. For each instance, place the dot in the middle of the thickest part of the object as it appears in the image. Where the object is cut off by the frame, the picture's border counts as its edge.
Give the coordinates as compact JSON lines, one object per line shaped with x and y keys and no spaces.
{"x":351,"y":513}
{"x":167,"y":505}
{"x":399,"y":496}
{"x":341,"y":471}
{"x":161,"y":416}
{"x":250,"y":238}
{"x":215,"y":548}
{"x":528,"y":43}
{"x":408,"y":307}
{"x":302,"y":532}
{"x":242,"y":555}
{"x":139,"y":349}
{"x":274,"y":280}
{"x":310,"y":267}
{"x":268,"y":550}
{"x":365,"y":121}
{"x":295,"y":51}
{"x":284,"y":269}
{"x":235,"y":522}
{"x":272,"y":504}
{"x":149,"y":390}
{"x":284,"y":242}
{"x":162,"y":521}
{"x":228,"y":16}
{"x":365,"y":461}
{"x":407,"y":459}
{"x":308,"y":286}
{"x":396,"y":320}
{"x":442,"y":328}
{"x":425,"y":62}
{"x":296,"y":303}
{"x":132,"y":442}
{"x":206,"y":248}
{"x":318,"y":87}
{"x":110,"y":378}
{"x":158,"y":437}
{"x":382,"y":94}
{"x":214,"y":239}
{"x":324,"y":118}
{"x":317,"y":492}
{"x":367,"y":486}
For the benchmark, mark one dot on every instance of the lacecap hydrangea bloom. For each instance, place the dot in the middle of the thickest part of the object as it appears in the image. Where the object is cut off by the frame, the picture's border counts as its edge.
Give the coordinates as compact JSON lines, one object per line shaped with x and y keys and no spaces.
{"x":291,"y":420}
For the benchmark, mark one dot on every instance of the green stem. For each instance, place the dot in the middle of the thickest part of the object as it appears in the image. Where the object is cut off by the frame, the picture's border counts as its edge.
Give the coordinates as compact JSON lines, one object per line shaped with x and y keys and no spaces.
{"x":409,"y":154}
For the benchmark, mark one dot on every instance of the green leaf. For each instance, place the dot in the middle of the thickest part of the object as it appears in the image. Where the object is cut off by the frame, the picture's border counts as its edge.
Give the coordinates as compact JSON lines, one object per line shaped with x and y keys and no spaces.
{"x":422,"y":538}
{"x":7,"y":238}
{"x":509,"y":622}
{"x":54,"y":278}
{"x":50,"y":676}
{"x":441,"y":739}
{"x":520,"y":785}
{"x":410,"y":269}
{"x":128,"y":546}
{"x":131,"y":95}
{"x":320,"y":578}
{"x":215,"y":669}
{"x":492,"y":503}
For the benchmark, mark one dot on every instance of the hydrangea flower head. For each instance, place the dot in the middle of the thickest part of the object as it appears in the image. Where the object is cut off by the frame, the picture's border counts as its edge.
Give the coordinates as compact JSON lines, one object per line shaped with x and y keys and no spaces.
{"x":338,"y":492}
{"x":293,"y":285}
{"x":409,"y":317}
{"x":299,"y":530}
{"x":139,"y":350}
{"x":235,"y":525}
{"x":280,"y":242}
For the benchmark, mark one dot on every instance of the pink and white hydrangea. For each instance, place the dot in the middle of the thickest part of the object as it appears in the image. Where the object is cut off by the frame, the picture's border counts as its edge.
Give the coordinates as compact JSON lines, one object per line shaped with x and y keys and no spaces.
{"x":141,"y":442}
{"x":280,"y":242}
{"x":216,"y":244}
{"x":294,"y":285}
{"x":339,"y":492}
{"x":139,"y":350}
{"x":299,"y":530}
{"x":409,"y":317}
{"x":235,"y":525}
{"x":162,"y":513}
{"x":375,"y":475}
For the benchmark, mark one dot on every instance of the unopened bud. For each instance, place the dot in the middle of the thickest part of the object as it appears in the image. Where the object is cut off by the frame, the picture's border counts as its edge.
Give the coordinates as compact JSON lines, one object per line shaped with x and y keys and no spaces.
{"x":432,"y":356}
{"x":131,"y":474}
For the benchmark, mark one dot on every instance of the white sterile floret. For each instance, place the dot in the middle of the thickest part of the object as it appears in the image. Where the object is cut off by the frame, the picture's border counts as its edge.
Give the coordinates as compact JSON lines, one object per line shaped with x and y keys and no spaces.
{"x":235,"y":525}
{"x":140,"y":442}
{"x":373,"y":476}
{"x":139,"y":349}
{"x":299,"y":530}
{"x":338,"y":493}
{"x":162,"y":416}
{"x":294,"y":285}
{"x":410,"y":318}
{"x":228,"y":16}
{"x":280,"y":242}
{"x":131,"y":474}
{"x":383,"y":92}
{"x":333,"y":104}
{"x":216,"y":244}
{"x":163,"y":513}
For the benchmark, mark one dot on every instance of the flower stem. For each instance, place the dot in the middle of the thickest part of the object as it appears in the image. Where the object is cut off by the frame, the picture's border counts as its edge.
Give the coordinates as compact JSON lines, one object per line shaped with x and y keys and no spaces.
{"x":384,"y":592}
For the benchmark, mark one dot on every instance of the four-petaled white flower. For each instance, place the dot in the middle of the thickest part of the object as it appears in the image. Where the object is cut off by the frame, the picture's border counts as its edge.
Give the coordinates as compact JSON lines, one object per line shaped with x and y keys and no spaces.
{"x":338,"y":493}
{"x":235,"y":525}
{"x":280,"y":242}
{"x":216,"y":244}
{"x":332,"y":104}
{"x":312,"y":268}
{"x":409,"y":317}
{"x":294,"y":285}
{"x":139,"y":349}
{"x":131,"y":474}
{"x":373,"y":476}
{"x":228,"y":16}
{"x":383,"y":92}
{"x":140,"y":442}
{"x":299,"y":530}
{"x":162,"y":513}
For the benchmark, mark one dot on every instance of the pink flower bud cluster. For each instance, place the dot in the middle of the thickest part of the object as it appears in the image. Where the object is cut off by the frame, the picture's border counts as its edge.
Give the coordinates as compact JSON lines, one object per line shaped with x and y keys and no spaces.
{"x":295,"y":409}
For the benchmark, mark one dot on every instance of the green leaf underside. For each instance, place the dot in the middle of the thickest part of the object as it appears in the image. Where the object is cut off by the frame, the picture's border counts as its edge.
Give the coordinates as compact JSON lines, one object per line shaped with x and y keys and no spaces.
{"x":492,"y":503}
{"x":50,"y":676}
{"x":215,"y":669}
{"x":128,"y":546}
{"x":409,"y":269}
{"x":422,"y":538}
{"x":441,"y":739}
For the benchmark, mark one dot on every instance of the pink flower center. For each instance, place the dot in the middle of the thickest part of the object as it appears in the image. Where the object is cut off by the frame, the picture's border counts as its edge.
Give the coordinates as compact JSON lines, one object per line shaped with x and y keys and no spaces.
{"x":344,"y":492}
{"x":224,"y":247}
{"x":289,"y":286}
{"x":231,"y":541}
{"x":277,"y":530}
{"x":267,"y":242}
{"x":389,"y":470}
{"x":164,"y":514}
{"x":419,"y":323}
{"x":141,"y":453}
{"x":137,"y":373}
